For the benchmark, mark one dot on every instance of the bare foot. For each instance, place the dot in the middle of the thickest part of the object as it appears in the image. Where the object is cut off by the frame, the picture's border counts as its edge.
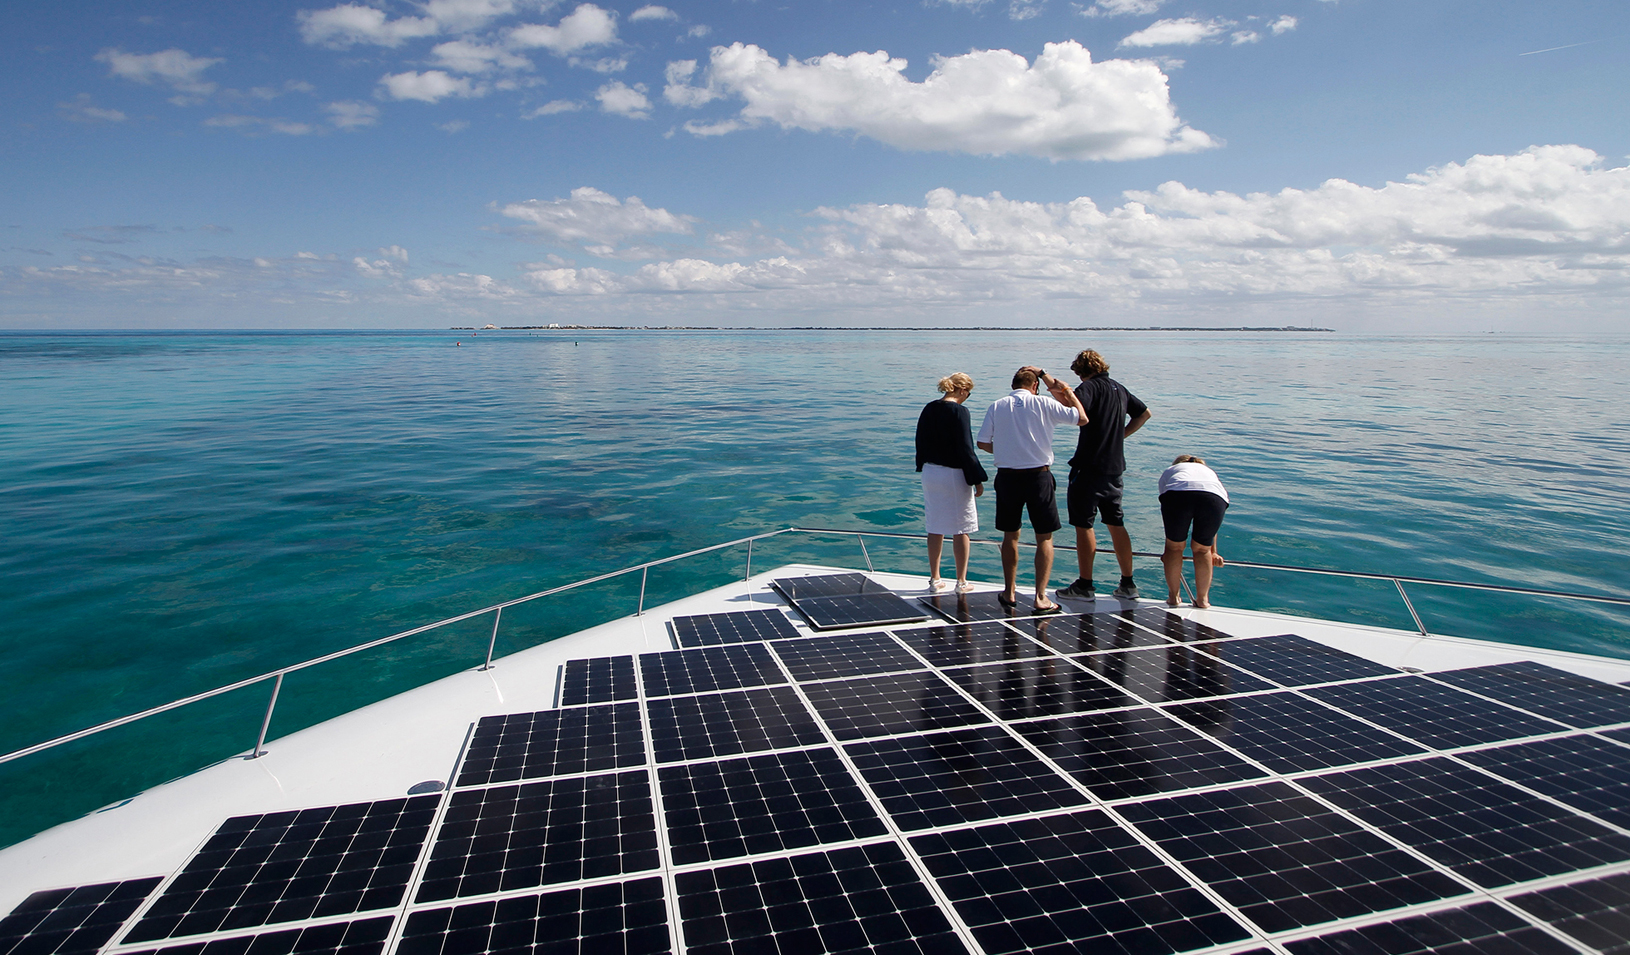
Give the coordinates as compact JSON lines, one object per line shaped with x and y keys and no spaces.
{"x":1202,"y":605}
{"x":1173,"y":602}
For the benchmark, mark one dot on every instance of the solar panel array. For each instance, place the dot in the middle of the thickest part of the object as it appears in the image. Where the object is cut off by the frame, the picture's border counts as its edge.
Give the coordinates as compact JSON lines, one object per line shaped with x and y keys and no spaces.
{"x":1118,"y":782}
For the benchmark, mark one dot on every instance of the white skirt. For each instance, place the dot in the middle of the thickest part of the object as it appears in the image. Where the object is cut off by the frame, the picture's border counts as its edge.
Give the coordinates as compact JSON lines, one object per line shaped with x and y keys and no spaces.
{"x":948,"y":501}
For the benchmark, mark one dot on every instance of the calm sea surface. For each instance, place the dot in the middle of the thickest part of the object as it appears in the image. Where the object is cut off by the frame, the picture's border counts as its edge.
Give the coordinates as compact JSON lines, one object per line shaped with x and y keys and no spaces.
{"x":186,"y":510}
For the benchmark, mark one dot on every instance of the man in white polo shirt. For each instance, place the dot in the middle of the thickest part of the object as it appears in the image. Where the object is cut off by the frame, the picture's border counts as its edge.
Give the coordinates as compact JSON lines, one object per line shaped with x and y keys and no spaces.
{"x":1018,"y":431}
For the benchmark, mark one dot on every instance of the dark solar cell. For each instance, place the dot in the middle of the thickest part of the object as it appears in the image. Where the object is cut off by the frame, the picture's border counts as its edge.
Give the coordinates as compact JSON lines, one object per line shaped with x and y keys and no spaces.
{"x":709,"y":668}
{"x":826,"y":658}
{"x":947,"y":778}
{"x":1585,"y":772}
{"x":364,"y":937}
{"x":1484,"y":829}
{"x":1439,"y":716}
{"x":1070,"y":883}
{"x":828,"y":585}
{"x":73,"y":921}
{"x":1088,"y":633}
{"x":1289,"y":733}
{"x":1481,"y":929}
{"x":1297,"y":661}
{"x":1171,"y":625}
{"x":763,"y":804}
{"x":1135,"y":753}
{"x":1622,"y":736}
{"x":886,"y":705}
{"x":1046,"y":687}
{"x":724,"y":724}
{"x":1284,"y":859}
{"x":554,"y":743}
{"x":285,"y":866}
{"x":861,"y":899}
{"x":741,"y":626}
{"x":858,"y":610}
{"x":628,"y":918}
{"x":1172,"y":672}
{"x":965,"y":644}
{"x":1562,"y":696}
{"x":1596,"y":912}
{"x":971,"y":608}
{"x":599,"y":680}
{"x":516,"y":837}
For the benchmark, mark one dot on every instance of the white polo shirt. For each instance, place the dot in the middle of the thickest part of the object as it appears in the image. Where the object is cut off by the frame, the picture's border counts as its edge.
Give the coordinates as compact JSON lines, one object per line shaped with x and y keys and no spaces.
{"x":1020,"y":428}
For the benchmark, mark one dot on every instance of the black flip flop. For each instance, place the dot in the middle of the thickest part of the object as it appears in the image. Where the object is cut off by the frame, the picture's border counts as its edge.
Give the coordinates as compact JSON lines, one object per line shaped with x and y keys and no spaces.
{"x":1009,"y":604}
{"x":1046,"y":611}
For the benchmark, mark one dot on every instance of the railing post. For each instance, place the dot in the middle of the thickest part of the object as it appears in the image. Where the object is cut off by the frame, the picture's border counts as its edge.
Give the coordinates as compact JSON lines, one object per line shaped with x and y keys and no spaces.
{"x":260,"y":740}
{"x":749,"y":561}
{"x":1418,"y":625}
{"x":639,"y":609}
{"x":493,"y":642}
{"x":1183,"y":581}
{"x":865,"y":554}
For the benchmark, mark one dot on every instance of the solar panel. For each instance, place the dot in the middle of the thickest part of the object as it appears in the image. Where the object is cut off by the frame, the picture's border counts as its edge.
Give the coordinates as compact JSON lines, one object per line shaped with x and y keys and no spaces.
{"x":75,"y":921}
{"x":1484,"y":829}
{"x":826,"y":658}
{"x":890,"y":704}
{"x":828,"y":585}
{"x":985,"y":605}
{"x":1284,"y":859}
{"x":1135,"y":753}
{"x":1535,"y":687}
{"x":740,"y":626}
{"x":709,"y":668}
{"x":943,"y":779}
{"x":364,"y":937}
{"x":965,"y":644}
{"x":286,"y":866}
{"x":1171,"y":625}
{"x":1481,"y":929}
{"x":1585,"y":772}
{"x":1070,"y":883}
{"x":857,"y":610}
{"x":562,"y":830}
{"x":554,"y":743}
{"x":1289,"y":733}
{"x":598,"y":680}
{"x":1438,"y":716}
{"x":1290,"y":660}
{"x":1596,"y":912}
{"x":725,"y":724}
{"x":1172,"y":672}
{"x":1022,"y":689}
{"x":763,"y":804}
{"x":860,"y":899}
{"x":629,"y":918}
{"x":1086,"y":633}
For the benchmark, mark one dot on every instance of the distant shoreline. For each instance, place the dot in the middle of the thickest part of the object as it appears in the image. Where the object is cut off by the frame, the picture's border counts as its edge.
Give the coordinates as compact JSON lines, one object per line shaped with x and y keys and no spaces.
{"x":894,"y":328}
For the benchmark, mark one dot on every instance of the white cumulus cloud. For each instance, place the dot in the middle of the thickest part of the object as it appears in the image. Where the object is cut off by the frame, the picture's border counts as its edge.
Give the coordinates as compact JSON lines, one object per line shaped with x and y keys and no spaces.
{"x":587,"y":26}
{"x":177,"y":69}
{"x":552,"y":107}
{"x":352,"y":23}
{"x":80,"y":109}
{"x":351,"y":114}
{"x":1284,"y":24}
{"x":592,"y":217}
{"x":1122,"y":8}
{"x":1185,"y":31}
{"x":260,"y":124}
{"x":652,"y":12}
{"x":466,"y":56}
{"x":987,"y":102}
{"x":429,"y":86}
{"x":620,"y":99}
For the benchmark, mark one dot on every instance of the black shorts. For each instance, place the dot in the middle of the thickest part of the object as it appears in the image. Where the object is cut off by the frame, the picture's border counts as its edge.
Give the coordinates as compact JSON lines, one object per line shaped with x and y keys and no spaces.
{"x":1203,"y":509}
{"x":1033,"y":488}
{"x":1094,"y":493}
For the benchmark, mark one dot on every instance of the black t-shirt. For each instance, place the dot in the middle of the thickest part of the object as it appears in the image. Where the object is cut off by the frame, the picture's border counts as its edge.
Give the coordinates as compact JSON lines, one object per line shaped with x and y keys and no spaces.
{"x":1109,"y":405}
{"x":944,"y":437}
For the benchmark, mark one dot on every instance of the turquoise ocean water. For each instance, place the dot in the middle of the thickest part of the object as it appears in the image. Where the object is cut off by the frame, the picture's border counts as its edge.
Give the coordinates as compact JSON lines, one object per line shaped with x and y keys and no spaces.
{"x":186,"y":510}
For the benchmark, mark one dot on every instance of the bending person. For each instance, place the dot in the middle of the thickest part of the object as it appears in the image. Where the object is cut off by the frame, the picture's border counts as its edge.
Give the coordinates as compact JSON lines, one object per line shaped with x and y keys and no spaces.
{"x":952,"y":477}
{"x":1191,"y":495}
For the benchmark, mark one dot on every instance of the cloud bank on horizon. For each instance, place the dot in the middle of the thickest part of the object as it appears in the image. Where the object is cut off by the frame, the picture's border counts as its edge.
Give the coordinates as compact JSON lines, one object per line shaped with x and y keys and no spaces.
{"x":583,"y":109}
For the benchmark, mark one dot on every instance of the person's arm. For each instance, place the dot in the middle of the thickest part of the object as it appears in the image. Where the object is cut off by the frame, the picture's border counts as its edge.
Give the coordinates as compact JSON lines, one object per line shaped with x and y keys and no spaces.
{"x":987,"y":433}
{"x":1065,"y":395}
{"x":1137,"y":423}
{"x":987,"y":447}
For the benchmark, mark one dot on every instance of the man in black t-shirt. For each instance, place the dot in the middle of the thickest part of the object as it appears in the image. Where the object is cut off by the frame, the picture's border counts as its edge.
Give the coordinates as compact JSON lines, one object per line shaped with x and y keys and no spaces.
{"x":1113,"y":413}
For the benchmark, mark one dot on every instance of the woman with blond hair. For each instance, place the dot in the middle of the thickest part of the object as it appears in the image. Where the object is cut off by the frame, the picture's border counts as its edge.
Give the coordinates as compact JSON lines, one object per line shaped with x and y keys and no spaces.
{"x":952,"y":477}
{"x":1191,"y":495}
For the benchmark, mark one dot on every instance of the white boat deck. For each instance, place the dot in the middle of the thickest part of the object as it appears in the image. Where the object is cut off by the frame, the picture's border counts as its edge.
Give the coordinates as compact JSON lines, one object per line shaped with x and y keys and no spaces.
{"x":381,"y":751}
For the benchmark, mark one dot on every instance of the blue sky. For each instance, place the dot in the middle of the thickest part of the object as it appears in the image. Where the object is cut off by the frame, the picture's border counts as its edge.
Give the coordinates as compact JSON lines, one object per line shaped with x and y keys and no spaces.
{"x":1362,"y":164}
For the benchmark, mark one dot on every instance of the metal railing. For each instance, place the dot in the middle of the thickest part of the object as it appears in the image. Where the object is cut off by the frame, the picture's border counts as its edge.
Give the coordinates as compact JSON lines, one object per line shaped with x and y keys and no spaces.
{"x":497,"y":610}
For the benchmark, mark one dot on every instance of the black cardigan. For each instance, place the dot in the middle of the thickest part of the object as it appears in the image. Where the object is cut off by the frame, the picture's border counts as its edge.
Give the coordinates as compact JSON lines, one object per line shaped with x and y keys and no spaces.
{"x":945,"y":437}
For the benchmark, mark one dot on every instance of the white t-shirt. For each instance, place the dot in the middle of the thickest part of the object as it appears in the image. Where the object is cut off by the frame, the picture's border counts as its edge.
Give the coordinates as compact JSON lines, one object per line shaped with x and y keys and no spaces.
{"x":1020,"y":427}
{"x":1189,"y":476}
